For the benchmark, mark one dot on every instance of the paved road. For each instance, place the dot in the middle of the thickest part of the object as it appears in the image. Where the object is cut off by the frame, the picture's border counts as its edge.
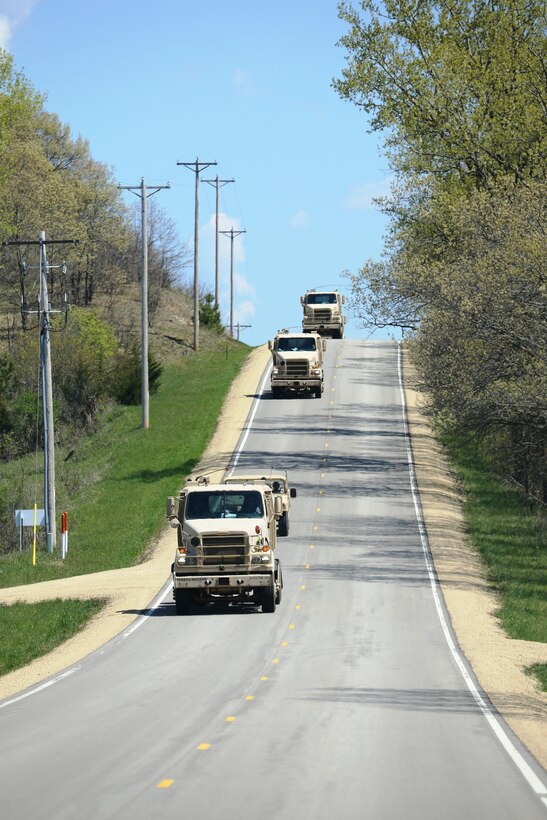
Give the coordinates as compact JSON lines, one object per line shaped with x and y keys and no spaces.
{"x":346,"y":703}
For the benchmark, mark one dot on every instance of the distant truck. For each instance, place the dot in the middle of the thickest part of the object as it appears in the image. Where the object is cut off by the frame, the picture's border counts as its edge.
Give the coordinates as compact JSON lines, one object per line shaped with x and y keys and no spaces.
{"x":323,"y":313}
{"x":226,"y":541}
{"x":279,"y":483}
{"x":297,"y":363}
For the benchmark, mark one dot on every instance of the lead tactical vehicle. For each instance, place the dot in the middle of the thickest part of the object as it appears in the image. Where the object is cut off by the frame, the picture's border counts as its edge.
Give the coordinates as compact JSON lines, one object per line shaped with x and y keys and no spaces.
{"x":279,"y":483}
{"x":297,"y":363}
{"x":226,"y":540}
{"x":323,"y":313}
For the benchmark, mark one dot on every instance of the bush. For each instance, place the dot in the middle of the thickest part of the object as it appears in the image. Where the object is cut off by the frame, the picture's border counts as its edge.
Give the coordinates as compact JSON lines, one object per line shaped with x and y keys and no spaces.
{"x":126,"y":386}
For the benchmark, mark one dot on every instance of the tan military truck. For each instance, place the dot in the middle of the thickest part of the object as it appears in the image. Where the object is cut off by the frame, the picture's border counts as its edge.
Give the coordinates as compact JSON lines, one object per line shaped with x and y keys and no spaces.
{"x":297,"y":363}
{"x":279,"y":484}
{"x":323,"y":313}
{"x":226,"y":540}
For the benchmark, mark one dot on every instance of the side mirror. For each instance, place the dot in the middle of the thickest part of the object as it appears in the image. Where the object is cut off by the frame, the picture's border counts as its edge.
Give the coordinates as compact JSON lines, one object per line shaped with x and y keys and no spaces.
{"x":324,"y":344}
{"x":343,"y":300}
{"x":270,"y":345}
{"x":170,"y":510}
{"x":292,"y":492}
{"x":278,"y":506}
{"x":301,"y":300}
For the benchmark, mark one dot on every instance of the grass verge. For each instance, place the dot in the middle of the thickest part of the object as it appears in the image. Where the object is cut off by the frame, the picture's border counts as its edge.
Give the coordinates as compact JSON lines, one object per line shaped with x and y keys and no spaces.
{"x":40,"y":628}
{"x":512,"y":540}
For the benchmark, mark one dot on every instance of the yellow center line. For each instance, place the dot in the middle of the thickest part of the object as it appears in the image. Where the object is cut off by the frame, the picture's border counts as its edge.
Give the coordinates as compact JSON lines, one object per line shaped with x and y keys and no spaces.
{"x":291,"y":626}
{"x":264,"y":677}
{"x":302,"y":586}
{"x":250,"y":697}
{"x":284,"y":643}
{"x":297,"y":606}
{"x":307,"y":566}
{"x":229,"y":719}
{"x":204,"y":746}
{"x":275,"y":660}
{"x":165,"y":784}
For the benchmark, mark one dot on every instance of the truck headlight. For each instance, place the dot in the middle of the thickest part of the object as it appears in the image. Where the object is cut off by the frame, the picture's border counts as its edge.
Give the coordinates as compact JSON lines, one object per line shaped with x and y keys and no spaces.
{"x":316,"y":372}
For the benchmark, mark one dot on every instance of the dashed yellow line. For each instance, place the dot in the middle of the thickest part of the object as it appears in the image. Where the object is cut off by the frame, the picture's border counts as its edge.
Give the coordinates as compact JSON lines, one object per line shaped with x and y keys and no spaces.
{"x":203,"y":747}
{"x":302,"y":586}
{"x":264,"y":677}
{"x":284,"y":643}
{"x":229,"y":719}
{"x":297,"y":606}
{"x":250,"y":697}
{"x":291,"y":626}
{"x":165,"y":784}
{"x":275,"y":660}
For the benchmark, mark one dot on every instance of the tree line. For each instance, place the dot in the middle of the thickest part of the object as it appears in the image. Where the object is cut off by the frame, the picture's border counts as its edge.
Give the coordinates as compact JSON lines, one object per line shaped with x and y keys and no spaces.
{"x":458,"y":91}
{"x":50,"y":181}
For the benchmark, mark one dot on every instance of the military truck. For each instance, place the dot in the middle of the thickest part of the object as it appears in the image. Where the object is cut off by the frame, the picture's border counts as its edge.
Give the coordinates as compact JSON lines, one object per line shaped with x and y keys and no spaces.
{"x":323,"y":313}
{"x":297,"y":363}
{"x":279,"y":483}
{"x":226,"y":540}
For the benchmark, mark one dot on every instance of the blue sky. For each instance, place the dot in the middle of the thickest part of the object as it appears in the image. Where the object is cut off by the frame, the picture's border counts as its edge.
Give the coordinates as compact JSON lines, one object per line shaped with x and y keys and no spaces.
{"x":247,"y":84}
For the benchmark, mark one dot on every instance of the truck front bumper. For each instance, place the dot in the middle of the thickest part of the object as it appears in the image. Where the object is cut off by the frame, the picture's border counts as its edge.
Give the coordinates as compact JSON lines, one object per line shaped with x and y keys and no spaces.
{"x":223,"y":583}
{"x":297,"y":384}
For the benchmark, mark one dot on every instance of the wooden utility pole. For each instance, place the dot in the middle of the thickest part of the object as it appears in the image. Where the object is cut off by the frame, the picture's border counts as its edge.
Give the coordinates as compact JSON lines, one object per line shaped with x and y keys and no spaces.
{"x":217,"y":183}
{"x":197,"y":167}
{"x":44,"y":310}
{"x":231,"y":233}
{"x":143,"y":192}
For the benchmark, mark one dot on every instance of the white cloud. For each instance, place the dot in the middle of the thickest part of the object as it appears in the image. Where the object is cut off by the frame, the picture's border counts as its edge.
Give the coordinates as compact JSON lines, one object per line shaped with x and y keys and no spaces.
{"x":5,"y":32}
{"x":360,"y":198}
{"x":300,"y":219}
{"x":12,"y":14}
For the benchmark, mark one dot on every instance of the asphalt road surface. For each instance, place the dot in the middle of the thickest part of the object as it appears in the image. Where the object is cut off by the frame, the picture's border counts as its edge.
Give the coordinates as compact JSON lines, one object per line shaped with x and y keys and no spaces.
{"x":347,"y":702}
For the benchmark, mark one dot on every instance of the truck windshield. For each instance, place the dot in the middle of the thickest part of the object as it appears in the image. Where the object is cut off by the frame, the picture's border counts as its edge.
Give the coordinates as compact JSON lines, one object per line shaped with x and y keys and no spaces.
{"x":306,"y":344}
{"x":216,"y":504}
{"x":321,"y":299}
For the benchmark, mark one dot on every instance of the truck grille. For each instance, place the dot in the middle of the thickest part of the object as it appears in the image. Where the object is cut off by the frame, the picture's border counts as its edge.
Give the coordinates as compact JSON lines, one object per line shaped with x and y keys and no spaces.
{"x":225,"y":550}
{"x":297,"y":369}
{"x":323,"y":315}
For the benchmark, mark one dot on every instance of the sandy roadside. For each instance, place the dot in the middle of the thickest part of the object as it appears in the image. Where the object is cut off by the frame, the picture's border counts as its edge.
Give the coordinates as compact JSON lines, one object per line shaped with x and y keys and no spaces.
{"x":497,"y":660}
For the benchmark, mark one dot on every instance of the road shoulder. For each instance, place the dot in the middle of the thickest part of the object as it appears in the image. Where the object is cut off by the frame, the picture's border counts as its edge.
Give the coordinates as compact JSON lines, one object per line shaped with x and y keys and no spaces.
{"x":498,"y":661}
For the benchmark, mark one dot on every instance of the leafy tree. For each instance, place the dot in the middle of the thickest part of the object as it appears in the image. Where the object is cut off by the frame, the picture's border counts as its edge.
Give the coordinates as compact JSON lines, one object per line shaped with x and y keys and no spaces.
{"x":126,"y":385}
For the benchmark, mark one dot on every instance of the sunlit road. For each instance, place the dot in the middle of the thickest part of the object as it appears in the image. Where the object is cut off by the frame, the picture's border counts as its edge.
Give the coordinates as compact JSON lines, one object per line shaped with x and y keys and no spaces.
{"x":345,"y":703}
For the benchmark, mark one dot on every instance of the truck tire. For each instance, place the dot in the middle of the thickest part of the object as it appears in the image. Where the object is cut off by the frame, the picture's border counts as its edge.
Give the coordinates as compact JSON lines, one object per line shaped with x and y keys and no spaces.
{"x":278,"y":582}
{"x":317,"y":392}
{"x":182,"y":601}
{"x":268,"y":597}
{"x":283,"y":526}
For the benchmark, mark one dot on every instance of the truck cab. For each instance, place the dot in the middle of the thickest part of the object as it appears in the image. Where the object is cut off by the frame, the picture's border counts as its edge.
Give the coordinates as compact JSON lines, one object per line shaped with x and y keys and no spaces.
{"x":323,"y":313}
{"x":226,"y":540}
{"x":297,"y":363}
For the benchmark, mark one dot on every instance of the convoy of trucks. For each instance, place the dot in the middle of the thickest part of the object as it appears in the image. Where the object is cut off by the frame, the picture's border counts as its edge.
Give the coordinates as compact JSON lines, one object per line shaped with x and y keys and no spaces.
{"x":227,"y":531}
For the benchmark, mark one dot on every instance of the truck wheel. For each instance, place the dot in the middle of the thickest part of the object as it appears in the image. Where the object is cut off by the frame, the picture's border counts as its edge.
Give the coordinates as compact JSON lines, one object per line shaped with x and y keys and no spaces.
{"x":317,"y":392}
{"x":283,"y":526}
{"x":182,"y":601}
{"x":268,"y":598}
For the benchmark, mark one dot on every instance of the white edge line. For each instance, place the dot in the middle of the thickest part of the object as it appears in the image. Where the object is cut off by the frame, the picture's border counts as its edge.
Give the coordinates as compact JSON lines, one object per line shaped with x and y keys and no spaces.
{"x":40,"y":687}
{"x":250,"y":420}
{"x":525,"y":769}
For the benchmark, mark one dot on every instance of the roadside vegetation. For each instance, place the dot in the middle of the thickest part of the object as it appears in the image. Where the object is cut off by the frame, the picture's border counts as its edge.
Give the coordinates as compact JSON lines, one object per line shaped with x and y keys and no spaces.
{"x":510,"y":535}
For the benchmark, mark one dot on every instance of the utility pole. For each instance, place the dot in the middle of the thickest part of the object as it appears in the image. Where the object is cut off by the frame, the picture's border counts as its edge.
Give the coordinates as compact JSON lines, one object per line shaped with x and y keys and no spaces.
{"x":44,"y":310}
{"x":231,"y":233}
{"x":197,"y":167}
{"x":143,"y":192}
{"x":217,"y":183}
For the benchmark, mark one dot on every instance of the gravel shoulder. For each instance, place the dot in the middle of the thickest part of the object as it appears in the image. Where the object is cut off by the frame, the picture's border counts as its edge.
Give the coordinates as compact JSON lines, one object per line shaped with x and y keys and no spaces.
{"x":497,"y":661}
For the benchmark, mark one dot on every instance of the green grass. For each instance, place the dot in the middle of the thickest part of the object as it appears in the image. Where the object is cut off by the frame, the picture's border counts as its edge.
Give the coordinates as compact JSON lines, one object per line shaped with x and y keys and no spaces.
{"x":122,"y":475}
{"x":39,"y":628}
{"x":512,"y":540}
